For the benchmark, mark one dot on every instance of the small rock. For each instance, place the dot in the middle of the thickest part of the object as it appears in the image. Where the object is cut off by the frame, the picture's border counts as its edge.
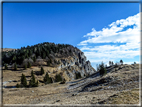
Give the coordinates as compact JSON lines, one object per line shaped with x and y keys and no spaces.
{"x":32,"y":91}
{"x":57,"y":100}
{"x":94,"y":97}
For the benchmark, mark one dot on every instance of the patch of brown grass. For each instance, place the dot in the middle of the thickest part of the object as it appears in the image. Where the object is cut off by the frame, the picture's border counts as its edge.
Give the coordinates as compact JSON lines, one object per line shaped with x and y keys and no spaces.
{"x":125,"y":97}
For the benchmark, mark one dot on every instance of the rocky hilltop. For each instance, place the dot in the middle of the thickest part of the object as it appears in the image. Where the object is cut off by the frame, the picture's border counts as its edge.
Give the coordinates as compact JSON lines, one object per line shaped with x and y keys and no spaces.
{"x":62,"y":59}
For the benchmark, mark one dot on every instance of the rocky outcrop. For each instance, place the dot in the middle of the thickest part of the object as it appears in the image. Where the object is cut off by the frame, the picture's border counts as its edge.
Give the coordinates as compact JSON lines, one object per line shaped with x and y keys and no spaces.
{"x":76,"y":64}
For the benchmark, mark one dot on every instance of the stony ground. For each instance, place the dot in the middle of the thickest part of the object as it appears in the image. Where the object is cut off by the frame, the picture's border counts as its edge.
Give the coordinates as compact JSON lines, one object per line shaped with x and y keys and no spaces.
{"x":119,"y":86}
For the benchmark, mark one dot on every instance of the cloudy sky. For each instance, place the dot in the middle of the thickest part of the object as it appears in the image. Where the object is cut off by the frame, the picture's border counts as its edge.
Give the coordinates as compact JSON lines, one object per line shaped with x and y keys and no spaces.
{"x":119,"y":40}
{"x":103,"y":31}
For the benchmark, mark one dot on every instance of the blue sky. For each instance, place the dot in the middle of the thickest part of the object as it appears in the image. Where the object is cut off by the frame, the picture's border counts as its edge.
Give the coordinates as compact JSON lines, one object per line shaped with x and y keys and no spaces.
{"x":103,"y":31}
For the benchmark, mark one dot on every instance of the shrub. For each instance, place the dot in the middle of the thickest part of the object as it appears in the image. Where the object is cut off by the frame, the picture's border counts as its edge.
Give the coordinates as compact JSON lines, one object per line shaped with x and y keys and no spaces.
{"x":78,"y":75}
{"x":116,"y":65}
{"x":58,"y":78}
{"x":17,"y":86}
{"x":63,"y":82}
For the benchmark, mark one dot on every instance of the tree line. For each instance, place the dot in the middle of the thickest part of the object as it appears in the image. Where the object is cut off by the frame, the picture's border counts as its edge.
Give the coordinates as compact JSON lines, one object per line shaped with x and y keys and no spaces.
{"x":41,"y":49}
{"x":34,"y":83}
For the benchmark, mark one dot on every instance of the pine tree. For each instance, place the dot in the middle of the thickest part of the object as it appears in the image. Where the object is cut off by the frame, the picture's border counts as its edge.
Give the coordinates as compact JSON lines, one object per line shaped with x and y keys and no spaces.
{"x":109,"y":62}
{"x":102,"y":69}
{"x":47,"y":79}
{"x":32,"y":81}
{"x":121,"y":62}
{"x":112,"y":62}
{"x":6,"y":67}
{"x":36,"y":84}
{"x":34,"y":58}
{"x":29,"y":65}
{"x":42,"y":70}
{"x":23,"y":80}
{"x":15,"y":66}
{"x":58,"y":78}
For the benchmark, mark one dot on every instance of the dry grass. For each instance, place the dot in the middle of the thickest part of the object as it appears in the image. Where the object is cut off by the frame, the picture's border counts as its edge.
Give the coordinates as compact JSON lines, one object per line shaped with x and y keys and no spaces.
{"x":58,"y":94}
{"x":125,"y":97}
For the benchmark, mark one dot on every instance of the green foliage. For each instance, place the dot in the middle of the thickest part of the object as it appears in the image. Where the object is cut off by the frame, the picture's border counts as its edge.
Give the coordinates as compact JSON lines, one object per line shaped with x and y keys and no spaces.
{"x":41,"y":49}
{"x":43,"y":55}
{"x":5,"y":67}
{"x":29,"y":65}
{"x":14,"y":59}
{"x":63,"y":82}
{"x":34,"y":58}
{"x":78,"y":75}
{"x":58,"y":78}
{"x":36,"y":84}
{"x":42,"y":70}
{"x":47,"y":79}
{"x":23,"y":81}
{"x":15,"y":66}
{"x":17,"y":86}
{"x":102,"y":69}
{"x":32,"y":82}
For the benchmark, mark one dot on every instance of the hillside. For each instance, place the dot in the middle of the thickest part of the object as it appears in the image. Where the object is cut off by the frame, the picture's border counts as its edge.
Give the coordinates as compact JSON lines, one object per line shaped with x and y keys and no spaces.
{"x":51,"y":73}
{"x":62,"y":59}
{"x":119,"y":86}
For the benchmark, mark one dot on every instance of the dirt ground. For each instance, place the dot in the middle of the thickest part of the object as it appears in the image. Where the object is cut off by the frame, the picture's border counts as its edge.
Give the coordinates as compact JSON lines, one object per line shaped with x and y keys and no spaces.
{"x":125,"y":93}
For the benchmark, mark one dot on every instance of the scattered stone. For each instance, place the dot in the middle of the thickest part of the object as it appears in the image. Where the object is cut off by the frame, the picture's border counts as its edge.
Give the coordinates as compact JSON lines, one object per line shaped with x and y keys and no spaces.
{"x":94,"y":97}
{"x":57,"y":100}
{"x":32,"y":91}
{"x":74,"y":94}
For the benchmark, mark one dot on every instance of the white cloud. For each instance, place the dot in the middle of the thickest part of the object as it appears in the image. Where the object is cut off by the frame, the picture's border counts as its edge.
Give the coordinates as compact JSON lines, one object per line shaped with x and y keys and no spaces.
{"x":122,"y":31}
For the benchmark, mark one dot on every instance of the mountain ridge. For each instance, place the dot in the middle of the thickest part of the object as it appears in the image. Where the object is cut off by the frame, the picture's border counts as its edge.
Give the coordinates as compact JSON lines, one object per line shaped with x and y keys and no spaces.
{"x":66,"y":59}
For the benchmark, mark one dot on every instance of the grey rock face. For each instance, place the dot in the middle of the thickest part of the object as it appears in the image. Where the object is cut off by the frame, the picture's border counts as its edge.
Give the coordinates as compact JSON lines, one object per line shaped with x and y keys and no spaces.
{"x":77,"y":64}
{"x":70,"y":75}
